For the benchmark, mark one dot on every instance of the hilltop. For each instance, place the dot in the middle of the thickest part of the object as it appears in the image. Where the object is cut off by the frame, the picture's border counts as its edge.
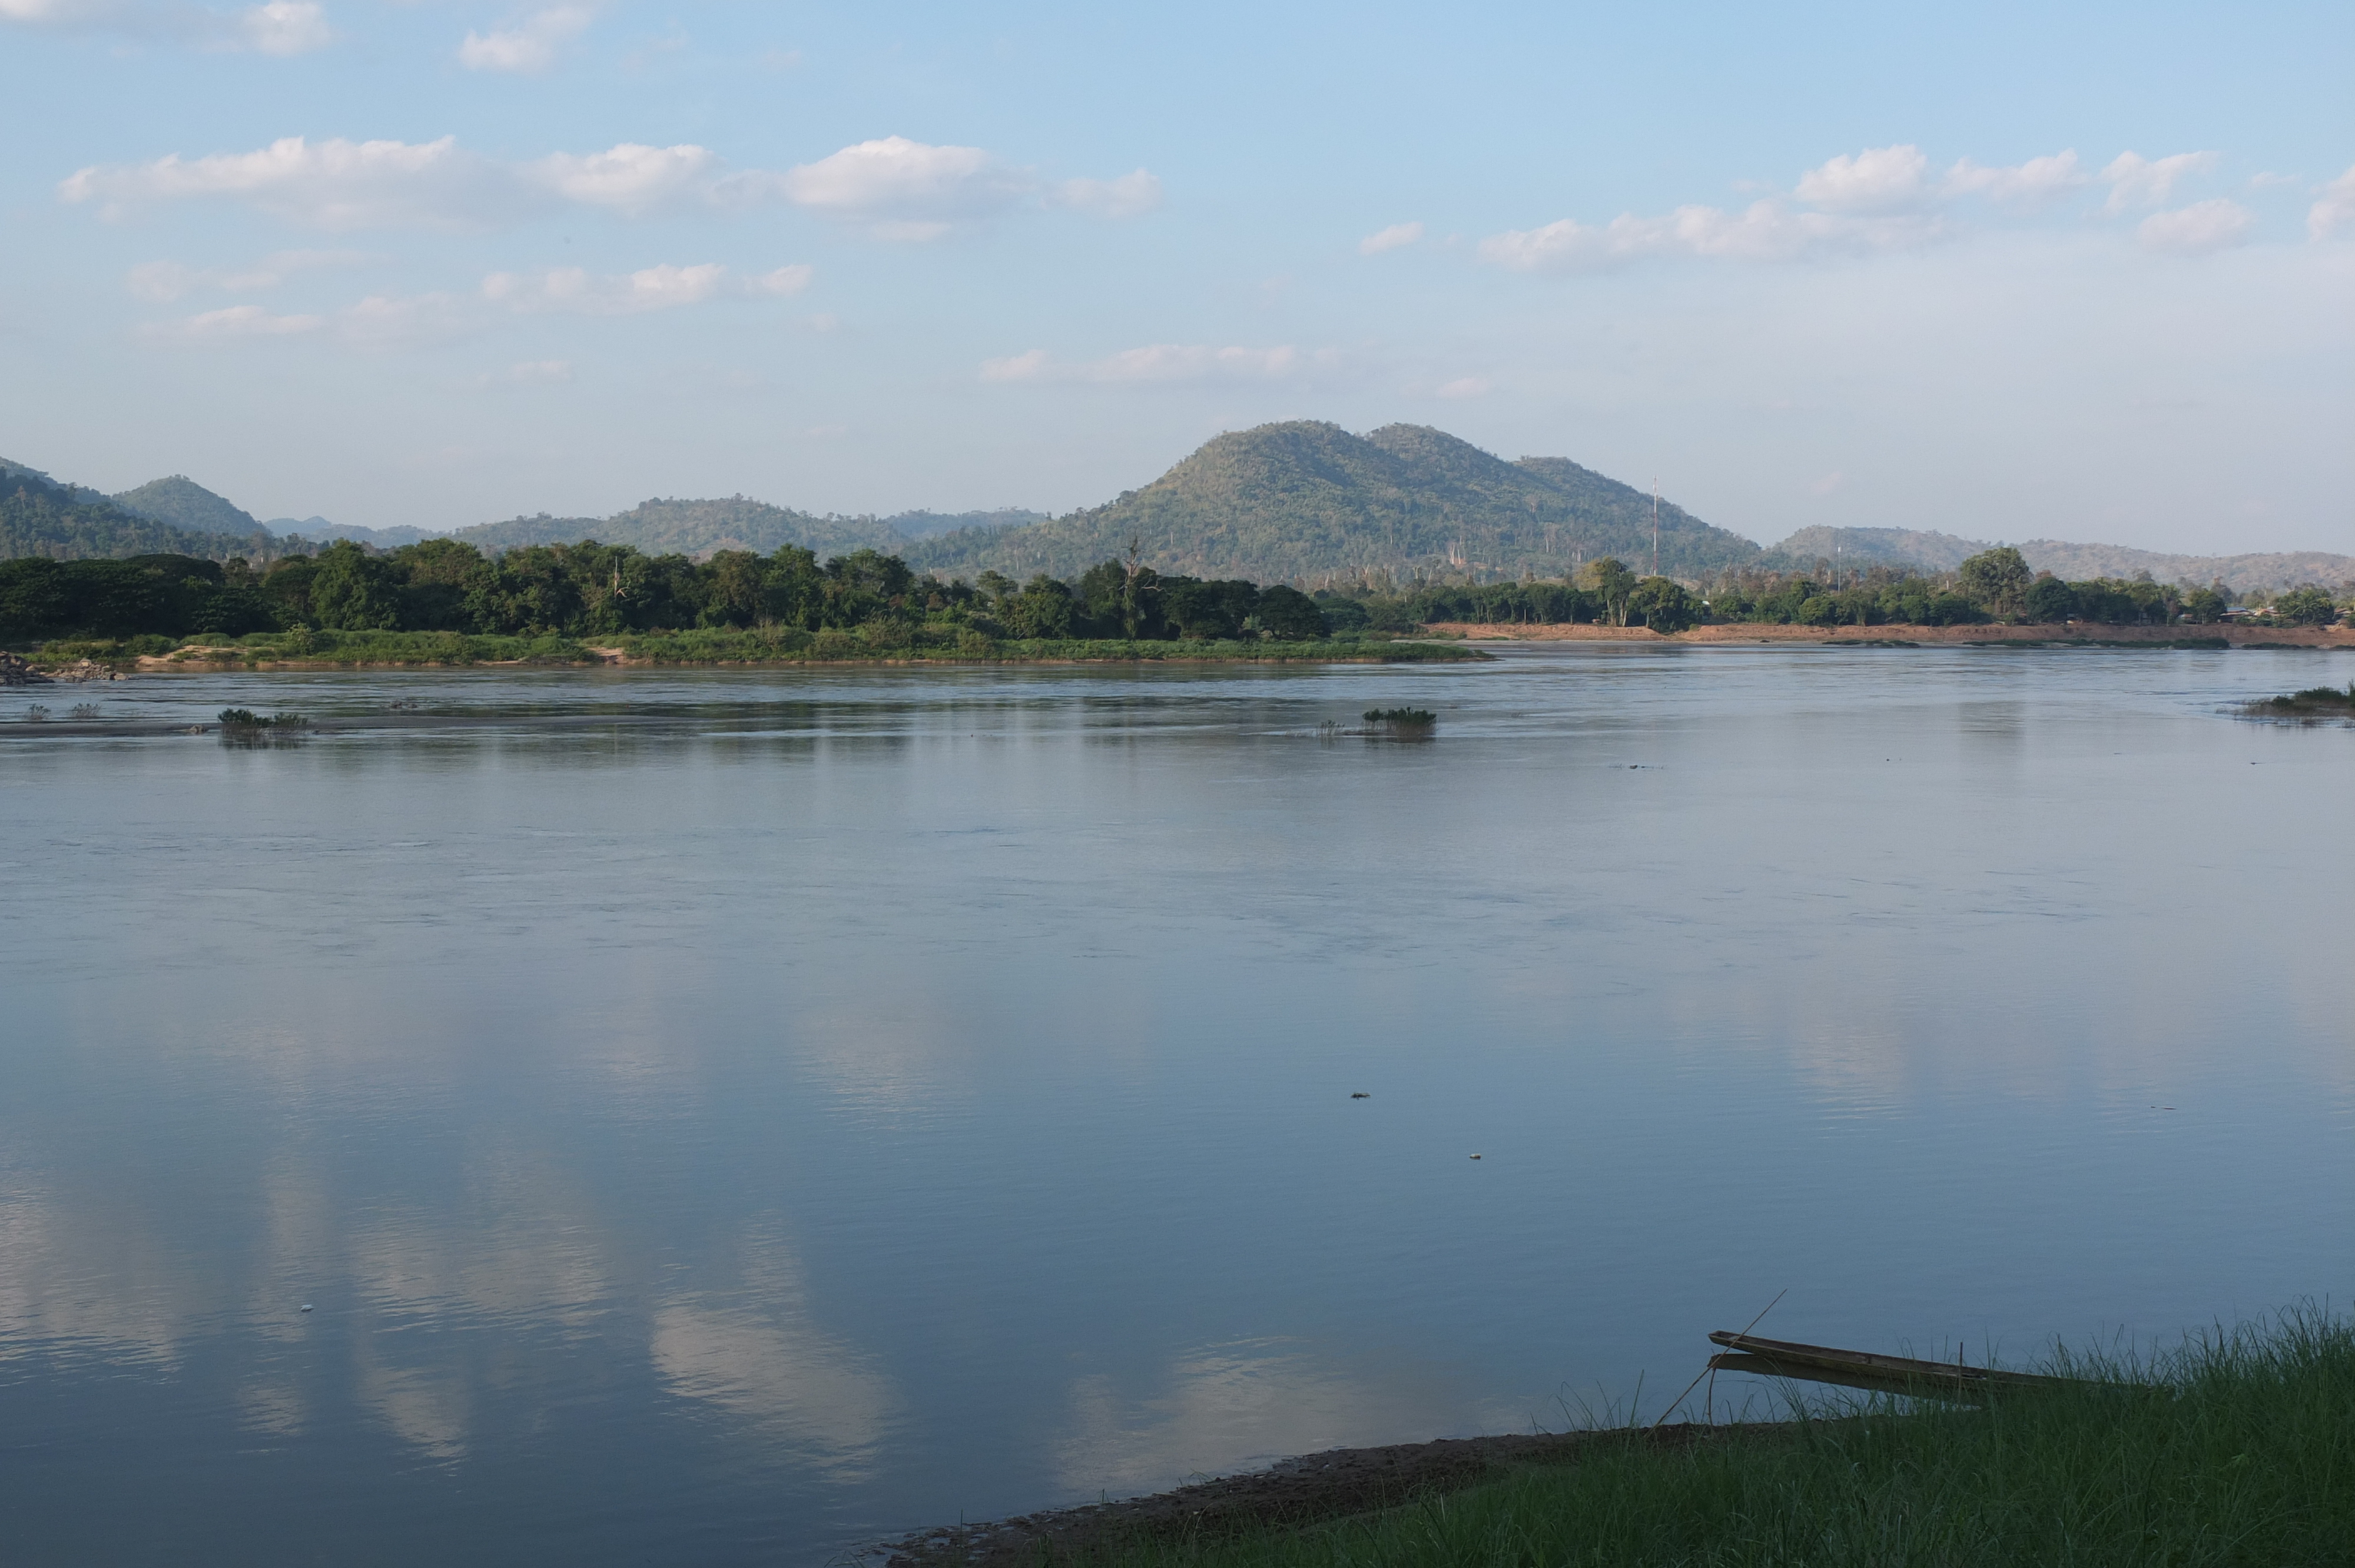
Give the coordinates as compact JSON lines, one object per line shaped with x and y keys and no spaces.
{"x":1308,"y":500}
{"x":41,"y":516}
{"x":184,"y":503}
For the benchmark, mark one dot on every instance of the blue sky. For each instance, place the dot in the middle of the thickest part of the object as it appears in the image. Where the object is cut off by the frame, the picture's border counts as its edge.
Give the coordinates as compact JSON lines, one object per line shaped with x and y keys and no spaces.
{"x":2009,"y":272}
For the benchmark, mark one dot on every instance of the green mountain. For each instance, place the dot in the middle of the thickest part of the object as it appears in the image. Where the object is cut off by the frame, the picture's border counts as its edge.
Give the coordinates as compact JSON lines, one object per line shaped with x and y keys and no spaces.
{"x":1308,"y":502}
{"x":39,"y":517}
{"x":184,"y":503}
{"x":694,"y":528}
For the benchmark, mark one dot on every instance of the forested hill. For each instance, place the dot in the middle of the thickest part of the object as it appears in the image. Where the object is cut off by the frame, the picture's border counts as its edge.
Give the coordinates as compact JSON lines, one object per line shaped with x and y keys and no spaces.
{"x":39,"y":517}
{"x":1308,"y":500}
{"x":693,"y":528}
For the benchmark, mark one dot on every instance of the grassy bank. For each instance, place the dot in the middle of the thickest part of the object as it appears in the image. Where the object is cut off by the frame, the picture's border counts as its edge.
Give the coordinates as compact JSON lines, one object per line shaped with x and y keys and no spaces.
{"x":2237,"y":1449}
{"x":460,"y":650}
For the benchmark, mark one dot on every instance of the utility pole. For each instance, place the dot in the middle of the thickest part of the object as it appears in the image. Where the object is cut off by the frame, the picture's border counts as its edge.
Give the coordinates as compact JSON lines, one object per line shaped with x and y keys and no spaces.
{"x":1656,"y":525}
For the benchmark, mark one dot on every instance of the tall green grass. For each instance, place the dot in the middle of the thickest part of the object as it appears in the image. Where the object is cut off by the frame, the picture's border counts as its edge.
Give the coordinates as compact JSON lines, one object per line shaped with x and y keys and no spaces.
{"x":2237,"y":1448}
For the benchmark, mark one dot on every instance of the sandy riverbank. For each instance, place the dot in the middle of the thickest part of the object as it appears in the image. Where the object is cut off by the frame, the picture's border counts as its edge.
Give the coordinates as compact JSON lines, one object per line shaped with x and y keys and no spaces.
{"x":2071,"y":634}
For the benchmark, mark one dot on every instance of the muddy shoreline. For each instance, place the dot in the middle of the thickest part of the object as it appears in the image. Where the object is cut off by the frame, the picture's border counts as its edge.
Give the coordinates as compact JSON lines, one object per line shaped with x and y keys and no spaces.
{"x":1336,"y":1484}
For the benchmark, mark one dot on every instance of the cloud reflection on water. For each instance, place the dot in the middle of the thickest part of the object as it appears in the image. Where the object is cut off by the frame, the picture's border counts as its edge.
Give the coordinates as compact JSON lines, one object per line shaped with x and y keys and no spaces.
{"x":758,"y":1354}
{"x":1227,"y":1407}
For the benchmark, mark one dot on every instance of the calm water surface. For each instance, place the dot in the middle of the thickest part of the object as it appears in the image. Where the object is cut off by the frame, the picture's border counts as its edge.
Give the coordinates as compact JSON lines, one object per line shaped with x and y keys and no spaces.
{"x":814,"y":1104}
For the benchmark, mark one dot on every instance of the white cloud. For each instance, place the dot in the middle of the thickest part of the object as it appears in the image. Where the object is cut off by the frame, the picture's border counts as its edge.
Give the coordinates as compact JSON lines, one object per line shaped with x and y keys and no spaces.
{"x":899,"y":189}
{"x":2196,"y":229}
{"x":1135,"y":192}
{"x":237,"y":323}
{"x":1159,"y":362}
{"x":1766,"y":231}
{"x":1465,"y":386}
{"x":1879,"y":179}
{"x":286,"y":28}
{"x":331,"y":185}
{"x":2336,"y":208}
{"x":2030,"y":184}
{"x":893,"y":188}
{"x":2136,"y":181}
{"x":1397,"y":236}
{"x":784,"y":281}
{"x":572,"y":289}
{"x":530,"y":47}
{"x":629,"y":177}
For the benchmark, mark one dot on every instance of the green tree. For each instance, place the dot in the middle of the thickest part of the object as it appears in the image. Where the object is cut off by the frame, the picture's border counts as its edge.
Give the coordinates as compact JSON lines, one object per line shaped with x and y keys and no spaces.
{"x":1043,"y":608}
{"x":2049,"y":601}
{"x":2307,"y":606}
{"x":1661,"y":604}
{"x":2205,"y":605}
{"x":1286,"y":612}
{"x":355,"y":591}
{"x":1609,"y":579}
{"x":1998,"y":580}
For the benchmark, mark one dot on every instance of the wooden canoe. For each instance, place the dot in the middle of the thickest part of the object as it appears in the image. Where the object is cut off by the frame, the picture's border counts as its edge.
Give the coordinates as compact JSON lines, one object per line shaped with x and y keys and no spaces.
{"x":1862,"y":1368}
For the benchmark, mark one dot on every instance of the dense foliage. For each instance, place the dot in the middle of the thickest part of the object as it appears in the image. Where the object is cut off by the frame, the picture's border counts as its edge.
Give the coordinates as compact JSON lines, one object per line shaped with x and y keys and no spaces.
{"x":594,"y":591}
{"x":1995,"y":585}
{"x":604,"y":590}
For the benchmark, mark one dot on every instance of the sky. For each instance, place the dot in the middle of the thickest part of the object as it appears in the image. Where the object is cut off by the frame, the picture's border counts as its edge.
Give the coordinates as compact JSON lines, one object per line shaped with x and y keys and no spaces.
{"x":2005,"y":271}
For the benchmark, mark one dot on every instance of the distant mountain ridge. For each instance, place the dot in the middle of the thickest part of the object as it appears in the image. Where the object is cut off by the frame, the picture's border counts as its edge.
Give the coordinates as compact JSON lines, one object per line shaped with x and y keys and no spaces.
{"x":1302,"y":501}
{"x":2073,"y":562}
{"x":666,"y":527}
{"x":318,"y":530}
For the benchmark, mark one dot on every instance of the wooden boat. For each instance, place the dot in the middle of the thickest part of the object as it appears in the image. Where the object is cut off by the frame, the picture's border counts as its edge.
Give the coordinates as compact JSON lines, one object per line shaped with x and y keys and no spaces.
{"x":1862,"y":1368}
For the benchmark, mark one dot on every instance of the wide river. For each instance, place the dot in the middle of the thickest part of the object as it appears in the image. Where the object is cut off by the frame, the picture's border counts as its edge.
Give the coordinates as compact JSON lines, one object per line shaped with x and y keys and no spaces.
{"x":731,"y":1117}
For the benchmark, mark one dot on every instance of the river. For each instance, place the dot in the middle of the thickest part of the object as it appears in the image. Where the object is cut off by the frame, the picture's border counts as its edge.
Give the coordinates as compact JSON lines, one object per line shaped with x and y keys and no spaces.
{"x":768,"y":1111}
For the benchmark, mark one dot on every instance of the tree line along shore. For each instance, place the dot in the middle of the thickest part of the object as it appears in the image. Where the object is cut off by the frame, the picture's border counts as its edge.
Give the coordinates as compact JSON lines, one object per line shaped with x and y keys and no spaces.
{"x":443,"y":600}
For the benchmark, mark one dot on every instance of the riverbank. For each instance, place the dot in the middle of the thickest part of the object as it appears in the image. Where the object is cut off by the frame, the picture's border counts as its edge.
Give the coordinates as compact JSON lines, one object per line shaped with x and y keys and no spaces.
{"x":2234,"y":1449}
{"x":721,"y":649}
{"x":2070,"y":634}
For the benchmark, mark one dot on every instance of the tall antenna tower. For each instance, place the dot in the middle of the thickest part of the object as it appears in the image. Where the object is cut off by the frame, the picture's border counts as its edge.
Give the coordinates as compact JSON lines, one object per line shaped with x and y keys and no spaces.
{"x":1656,"y":525}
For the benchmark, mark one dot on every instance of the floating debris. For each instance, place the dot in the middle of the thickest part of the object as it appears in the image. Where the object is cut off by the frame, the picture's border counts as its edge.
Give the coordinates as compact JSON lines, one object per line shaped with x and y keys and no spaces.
{"x":1362,"y":1094}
